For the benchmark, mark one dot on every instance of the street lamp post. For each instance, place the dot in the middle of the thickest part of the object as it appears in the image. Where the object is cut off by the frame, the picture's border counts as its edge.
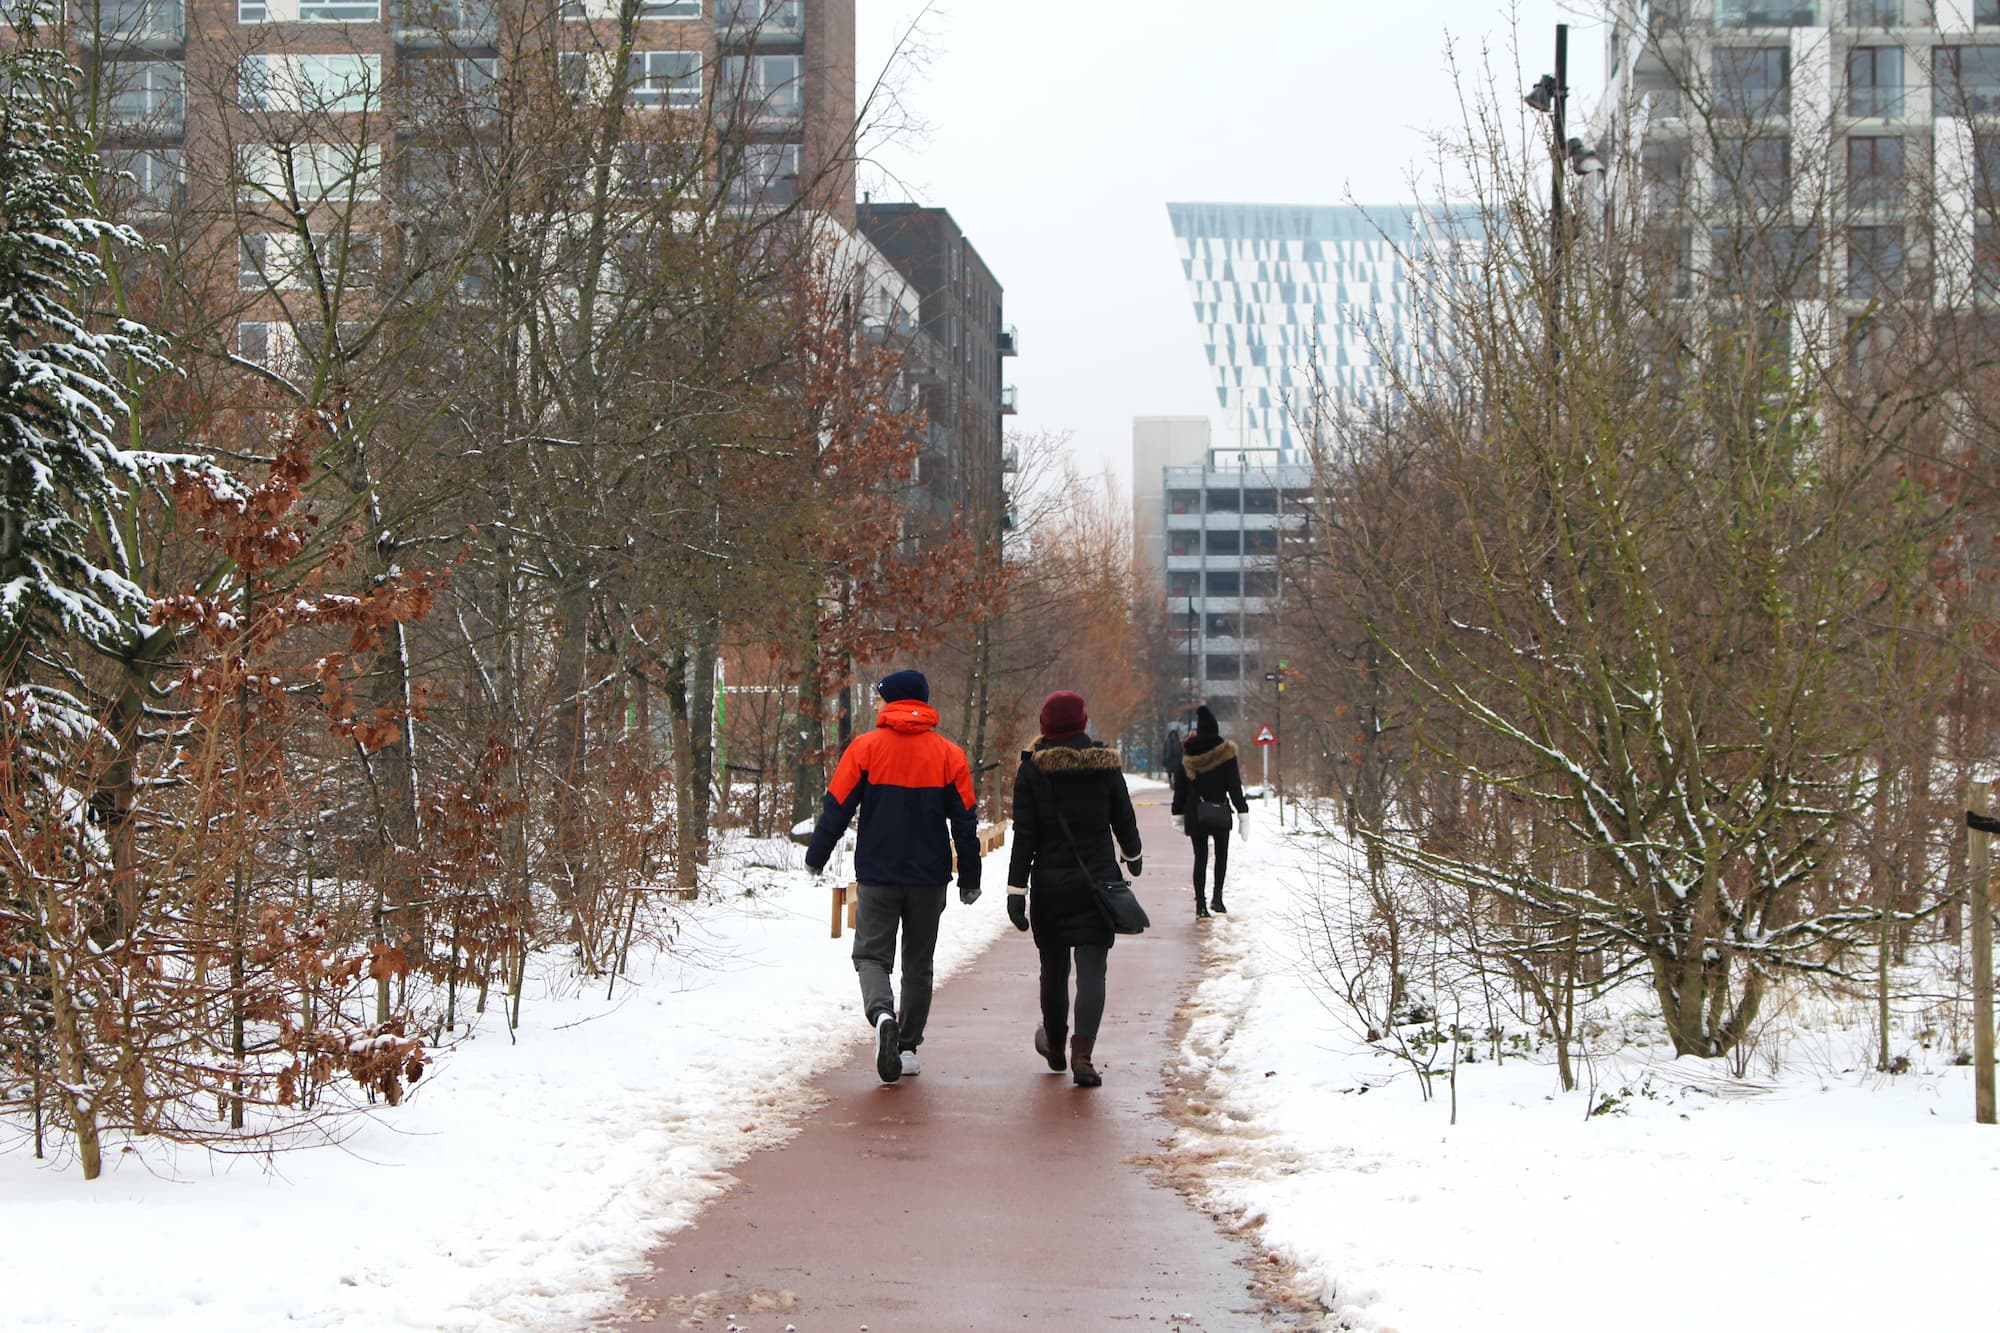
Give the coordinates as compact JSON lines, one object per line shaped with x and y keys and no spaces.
{"x":1550,"y":96}
{"x":1194,"y":690}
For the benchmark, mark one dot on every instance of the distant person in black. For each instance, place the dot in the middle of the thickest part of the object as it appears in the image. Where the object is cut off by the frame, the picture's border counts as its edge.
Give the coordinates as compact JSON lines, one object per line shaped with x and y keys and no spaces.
{"x":1208,"y":774}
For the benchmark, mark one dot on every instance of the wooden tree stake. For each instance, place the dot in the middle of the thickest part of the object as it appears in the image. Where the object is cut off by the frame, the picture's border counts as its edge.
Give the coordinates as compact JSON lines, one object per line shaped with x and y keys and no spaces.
{"x":1979,"y":894}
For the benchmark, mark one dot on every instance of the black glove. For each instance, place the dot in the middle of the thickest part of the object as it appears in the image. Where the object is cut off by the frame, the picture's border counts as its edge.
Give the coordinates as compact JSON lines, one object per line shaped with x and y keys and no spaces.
{"x":815,"y":871}
{"x":1017,"y":908}
{"x":968,"y":894}
{"x":1134,"y":864}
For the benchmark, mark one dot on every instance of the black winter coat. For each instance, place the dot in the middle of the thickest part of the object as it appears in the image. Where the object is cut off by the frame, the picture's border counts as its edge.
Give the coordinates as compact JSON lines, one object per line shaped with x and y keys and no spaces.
{"x":1208,"y":771}
{"x":1086,"y":783}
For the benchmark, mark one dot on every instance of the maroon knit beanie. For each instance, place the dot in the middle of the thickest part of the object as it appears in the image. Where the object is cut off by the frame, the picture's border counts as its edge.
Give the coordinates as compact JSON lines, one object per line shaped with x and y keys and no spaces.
{"x":1063,"y":715}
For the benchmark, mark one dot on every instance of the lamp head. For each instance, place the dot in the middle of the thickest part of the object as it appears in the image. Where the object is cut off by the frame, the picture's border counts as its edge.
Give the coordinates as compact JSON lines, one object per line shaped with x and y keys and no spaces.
{"x":1542,"y":97}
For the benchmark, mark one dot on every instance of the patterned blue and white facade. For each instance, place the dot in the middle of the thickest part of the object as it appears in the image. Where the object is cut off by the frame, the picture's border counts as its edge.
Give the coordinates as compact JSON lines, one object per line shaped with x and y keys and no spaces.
{"x":1294,"y":297}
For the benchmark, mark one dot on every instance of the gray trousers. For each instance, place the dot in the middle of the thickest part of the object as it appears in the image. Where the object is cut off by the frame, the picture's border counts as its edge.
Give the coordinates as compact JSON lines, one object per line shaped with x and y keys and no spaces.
{"x":885,"y":908}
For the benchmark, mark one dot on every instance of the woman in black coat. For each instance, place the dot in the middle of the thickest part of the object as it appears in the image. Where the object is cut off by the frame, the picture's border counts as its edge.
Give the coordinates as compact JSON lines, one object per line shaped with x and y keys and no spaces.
{"x":1208,"y":772}
{"x":1067,"y":772}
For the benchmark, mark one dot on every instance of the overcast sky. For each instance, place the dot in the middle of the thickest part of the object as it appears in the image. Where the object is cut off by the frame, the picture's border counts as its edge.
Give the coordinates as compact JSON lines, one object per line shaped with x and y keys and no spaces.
{"x":1057,"y":130}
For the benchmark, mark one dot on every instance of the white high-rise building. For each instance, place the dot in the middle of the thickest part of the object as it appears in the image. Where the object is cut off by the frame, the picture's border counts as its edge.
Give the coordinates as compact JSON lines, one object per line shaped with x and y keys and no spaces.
{"x":1295,"y":299}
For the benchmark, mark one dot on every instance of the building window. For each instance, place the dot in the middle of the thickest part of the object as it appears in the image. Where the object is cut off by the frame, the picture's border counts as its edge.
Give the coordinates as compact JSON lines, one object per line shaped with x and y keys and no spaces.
{"x":574,"y":70}
{"x":1986,"y":260}
{"x":316,"y":83}
{"x":1183,"y":584}
{"x":1183,"y":543}
{"x":658,"y":170}
{"x":1874,"y":262}
{"x":607,"y":10}
{"x":766,"y":88}
{"x":1183,"y":502}
{"x":1753,"y":175}
{"x":1260,"y":541}
{"x":767,"y":175}
{"x":1870,"y":344}
{"x":1874,"y":13}
{"x":253,"y":342}
{"x":1225,"y":666}
{"x":1753,"y":81}
{"x":1875,"y":171}
{"x":664,"y":78}
{"x":148,"y":180}
{"x":1767,"y":261}
{"x":279,"y":261}
{"x":1965,"y":80}
{"x":1260,"y":583}
{"x":308,"y":11}
{"x":1221,"y":627}
{"x":1229,"y":542}
{"x":1224,"y":583}
{"x":146,"y":95}
{"x":1986,"y":13}
{"x":1986,"y":171}
{"x":1875,"y":81}
{"x":309,"y":173}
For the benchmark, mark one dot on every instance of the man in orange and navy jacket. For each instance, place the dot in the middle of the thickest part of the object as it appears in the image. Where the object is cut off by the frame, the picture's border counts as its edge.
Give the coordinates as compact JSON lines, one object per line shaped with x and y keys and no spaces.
{"x":911,"y":786}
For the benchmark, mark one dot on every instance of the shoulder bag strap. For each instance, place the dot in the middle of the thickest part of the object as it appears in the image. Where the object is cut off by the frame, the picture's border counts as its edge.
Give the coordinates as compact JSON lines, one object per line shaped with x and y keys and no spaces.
{"x":1047,"y":794}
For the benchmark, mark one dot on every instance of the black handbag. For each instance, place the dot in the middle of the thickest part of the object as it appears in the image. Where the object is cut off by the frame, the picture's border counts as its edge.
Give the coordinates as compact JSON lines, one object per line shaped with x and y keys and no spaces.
{"x":1115,"y":899}
{"x":1212,"y":816}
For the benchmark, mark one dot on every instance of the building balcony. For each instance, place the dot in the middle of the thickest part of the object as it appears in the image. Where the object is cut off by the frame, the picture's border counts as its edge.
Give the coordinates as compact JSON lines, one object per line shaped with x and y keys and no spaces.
{"x":153,"y":25}
{"x":1766,"y":14}
{"x":1009,"y":401}
{"x":457,"y":24}
{"x":760,"y":22}
{"x":1009,"y":341}
{"x":1010,"y":458}
{"x":1875,"y":14}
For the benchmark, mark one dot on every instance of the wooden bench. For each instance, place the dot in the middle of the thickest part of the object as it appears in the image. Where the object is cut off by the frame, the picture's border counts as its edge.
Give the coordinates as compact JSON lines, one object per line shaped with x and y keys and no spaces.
{"x":847,"y":897}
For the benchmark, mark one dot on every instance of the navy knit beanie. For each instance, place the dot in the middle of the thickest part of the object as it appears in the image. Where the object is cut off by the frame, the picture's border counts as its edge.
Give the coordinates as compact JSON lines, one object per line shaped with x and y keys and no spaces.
{"x":1204,"y":722}
{"x":904,"y":684}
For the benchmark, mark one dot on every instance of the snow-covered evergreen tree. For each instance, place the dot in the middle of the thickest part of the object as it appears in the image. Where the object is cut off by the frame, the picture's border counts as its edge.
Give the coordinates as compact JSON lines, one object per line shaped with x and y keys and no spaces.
{"x":63,"y":472}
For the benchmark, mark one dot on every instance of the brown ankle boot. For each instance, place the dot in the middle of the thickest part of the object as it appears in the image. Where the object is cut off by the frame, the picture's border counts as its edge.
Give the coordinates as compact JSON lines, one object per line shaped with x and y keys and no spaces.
{"x":1052,"y":1051}
{"x":1083,"y":1071}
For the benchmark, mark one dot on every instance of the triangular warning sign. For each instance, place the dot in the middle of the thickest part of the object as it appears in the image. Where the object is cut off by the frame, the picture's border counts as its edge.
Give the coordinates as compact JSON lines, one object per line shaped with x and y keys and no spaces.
{"x":1266,"y":736}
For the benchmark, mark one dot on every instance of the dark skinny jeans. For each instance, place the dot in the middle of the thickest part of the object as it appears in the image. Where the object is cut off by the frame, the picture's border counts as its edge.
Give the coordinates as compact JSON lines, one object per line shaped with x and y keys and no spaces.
{"x":1200,"y":841}
{"x":1092,"y":960}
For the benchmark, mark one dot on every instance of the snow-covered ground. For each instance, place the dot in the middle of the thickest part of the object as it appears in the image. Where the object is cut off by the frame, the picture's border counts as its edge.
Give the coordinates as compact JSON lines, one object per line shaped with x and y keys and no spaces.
{"x":1818,"y":1195}
{"x":517,"y":1183}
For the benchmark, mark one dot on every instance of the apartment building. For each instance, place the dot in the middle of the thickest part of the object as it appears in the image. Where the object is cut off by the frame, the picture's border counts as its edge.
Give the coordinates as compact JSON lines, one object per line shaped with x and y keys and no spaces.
{"x":1842,"y":152}
{"x":959,"y":365}
{"x":364,"y":113}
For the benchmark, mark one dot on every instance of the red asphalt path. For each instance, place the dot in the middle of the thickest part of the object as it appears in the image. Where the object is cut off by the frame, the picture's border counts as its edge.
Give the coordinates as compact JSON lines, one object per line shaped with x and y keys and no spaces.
{"x":986,"y":1193}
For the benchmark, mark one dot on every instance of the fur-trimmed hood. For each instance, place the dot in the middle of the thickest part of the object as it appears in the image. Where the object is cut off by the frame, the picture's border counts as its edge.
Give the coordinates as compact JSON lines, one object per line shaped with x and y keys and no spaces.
{"x":1068,"y":756}
{"x":1196,"y":764}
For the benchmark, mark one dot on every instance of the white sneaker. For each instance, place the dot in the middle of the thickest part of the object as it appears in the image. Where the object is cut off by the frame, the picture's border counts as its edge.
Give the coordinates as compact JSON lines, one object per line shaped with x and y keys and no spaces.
{"x":910,"y":1065}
